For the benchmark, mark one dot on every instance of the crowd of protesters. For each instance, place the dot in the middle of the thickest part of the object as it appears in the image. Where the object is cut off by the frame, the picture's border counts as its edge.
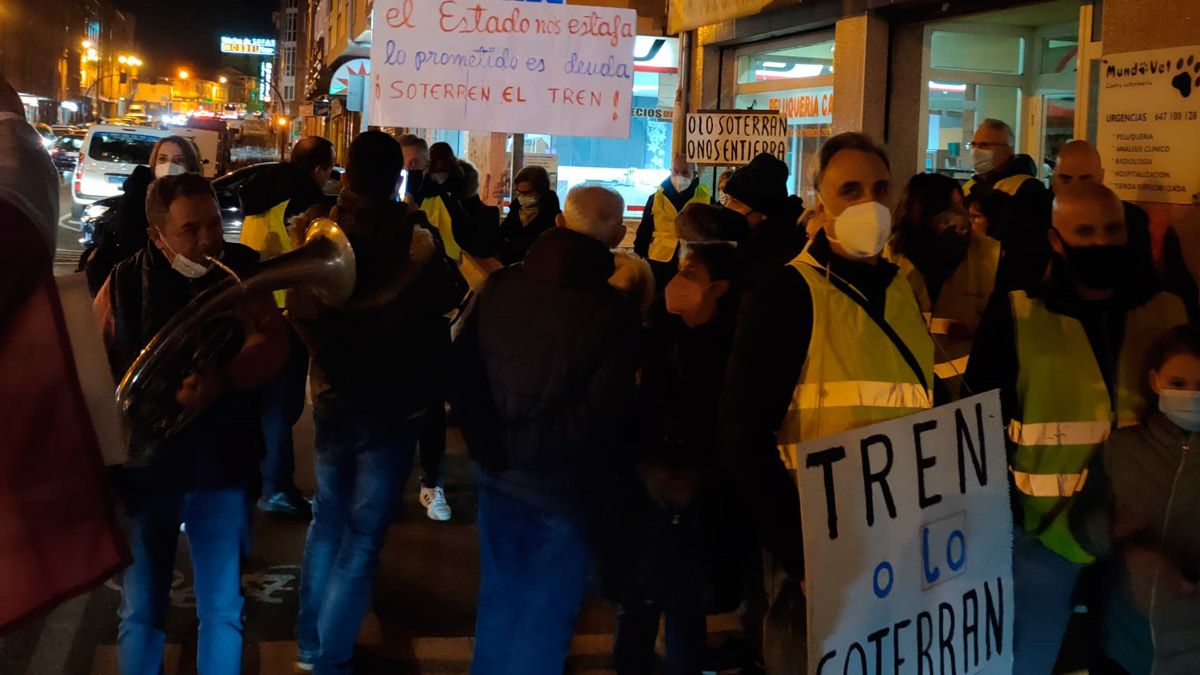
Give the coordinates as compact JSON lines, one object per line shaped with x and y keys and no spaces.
{"x":635,"y":423}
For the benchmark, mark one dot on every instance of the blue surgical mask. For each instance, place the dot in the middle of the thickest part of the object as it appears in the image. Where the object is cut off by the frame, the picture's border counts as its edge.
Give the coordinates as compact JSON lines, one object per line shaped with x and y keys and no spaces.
{"x":1181,"y":407}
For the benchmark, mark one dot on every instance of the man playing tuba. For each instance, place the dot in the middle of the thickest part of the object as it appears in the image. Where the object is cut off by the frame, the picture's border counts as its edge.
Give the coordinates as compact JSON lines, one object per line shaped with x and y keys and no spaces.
{"x":196,"y":476}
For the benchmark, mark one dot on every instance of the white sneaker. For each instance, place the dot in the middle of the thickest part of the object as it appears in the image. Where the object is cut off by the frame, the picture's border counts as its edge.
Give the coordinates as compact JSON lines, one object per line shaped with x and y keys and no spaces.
{"x":434,"y":501}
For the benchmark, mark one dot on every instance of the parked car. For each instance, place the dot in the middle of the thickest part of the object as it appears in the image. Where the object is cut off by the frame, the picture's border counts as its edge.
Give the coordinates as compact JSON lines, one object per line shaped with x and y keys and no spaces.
{"x":107,"y":157}
{"x":99,"y":216}
{"x":65,"y":151}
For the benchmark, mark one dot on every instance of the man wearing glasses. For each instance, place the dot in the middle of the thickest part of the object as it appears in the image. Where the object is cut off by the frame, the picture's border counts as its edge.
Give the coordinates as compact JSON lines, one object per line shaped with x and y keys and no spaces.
{"x":1026,"y":216}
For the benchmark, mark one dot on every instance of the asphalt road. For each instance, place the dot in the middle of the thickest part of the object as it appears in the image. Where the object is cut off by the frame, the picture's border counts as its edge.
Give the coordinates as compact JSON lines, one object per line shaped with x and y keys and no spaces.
{"x":68,"y":244}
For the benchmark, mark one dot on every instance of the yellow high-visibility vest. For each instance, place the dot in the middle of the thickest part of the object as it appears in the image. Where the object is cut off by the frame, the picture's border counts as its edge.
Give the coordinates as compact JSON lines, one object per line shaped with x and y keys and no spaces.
{"x":439,"y":216}
{"x":666,"y":235}
{"x":853,"y":374}
{"x":267,"y":233}
{"x":1064,"y":408}
{"x":1008,"y":185}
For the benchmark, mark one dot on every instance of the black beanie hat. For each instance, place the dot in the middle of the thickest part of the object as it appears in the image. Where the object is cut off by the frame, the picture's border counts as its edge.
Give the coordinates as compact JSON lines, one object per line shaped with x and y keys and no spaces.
{"x":761,"y":184}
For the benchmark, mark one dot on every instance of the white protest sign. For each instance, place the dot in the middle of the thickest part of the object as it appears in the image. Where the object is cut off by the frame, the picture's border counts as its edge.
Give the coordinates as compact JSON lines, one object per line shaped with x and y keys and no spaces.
{"x":494,"y":65}
{"x":1149,"y":125}
{"x":734,"y":137}
{"x":908,"y":544}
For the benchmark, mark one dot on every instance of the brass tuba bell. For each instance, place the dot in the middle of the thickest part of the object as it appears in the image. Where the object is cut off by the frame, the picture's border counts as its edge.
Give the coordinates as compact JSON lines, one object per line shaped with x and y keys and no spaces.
{"x":324,"y":266}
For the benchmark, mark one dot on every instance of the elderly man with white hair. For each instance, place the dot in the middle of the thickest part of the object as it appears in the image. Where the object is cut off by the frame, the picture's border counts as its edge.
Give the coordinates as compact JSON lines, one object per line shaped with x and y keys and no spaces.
{"x":542,"y":381}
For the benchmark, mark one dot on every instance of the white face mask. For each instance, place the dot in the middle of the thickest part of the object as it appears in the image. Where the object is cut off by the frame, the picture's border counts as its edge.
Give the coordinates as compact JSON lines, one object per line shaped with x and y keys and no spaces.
{"x":982,"y":160}
{"x":1181,"y":407}
{"x":862,"y":230}
{"x":681,"y":183}
{"x":439,"y":177}
{"x":190,"y":269}
{"x":527,"y":202}
{"x":165,"y":169}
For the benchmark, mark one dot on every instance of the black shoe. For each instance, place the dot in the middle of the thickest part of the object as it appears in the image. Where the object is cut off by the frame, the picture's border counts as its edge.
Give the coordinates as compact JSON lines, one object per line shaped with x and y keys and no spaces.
{"x":286,"y":504}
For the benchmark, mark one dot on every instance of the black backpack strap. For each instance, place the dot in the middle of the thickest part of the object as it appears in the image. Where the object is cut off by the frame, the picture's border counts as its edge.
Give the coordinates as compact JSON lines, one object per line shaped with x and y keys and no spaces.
{"x":886,"y":327}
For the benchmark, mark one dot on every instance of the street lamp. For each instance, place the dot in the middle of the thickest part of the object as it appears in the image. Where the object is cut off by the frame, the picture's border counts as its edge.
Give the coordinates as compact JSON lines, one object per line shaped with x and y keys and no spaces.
{"x":223,"y":80}
{"x":183,"y":74}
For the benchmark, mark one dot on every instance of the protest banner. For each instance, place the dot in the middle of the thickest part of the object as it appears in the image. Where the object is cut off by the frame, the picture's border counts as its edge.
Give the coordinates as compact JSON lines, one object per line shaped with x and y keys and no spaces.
{"x":908,"y":544}
{"x":734,"y":137}
{"x":493,"y":65}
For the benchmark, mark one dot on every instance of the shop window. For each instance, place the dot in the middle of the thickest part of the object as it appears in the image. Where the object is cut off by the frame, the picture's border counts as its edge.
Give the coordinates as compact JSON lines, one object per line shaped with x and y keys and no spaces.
{"x":981,"y":52}
{"x":955,"y":110}
{"x":1059,"y":55}
{"x":809,"y":113}
{"x":786,"y":63}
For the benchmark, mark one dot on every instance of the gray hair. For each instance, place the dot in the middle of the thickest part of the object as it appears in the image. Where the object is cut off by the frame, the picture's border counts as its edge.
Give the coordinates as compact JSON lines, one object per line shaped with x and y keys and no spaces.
{"x":999,"y":125}
{"x":595,"y":211}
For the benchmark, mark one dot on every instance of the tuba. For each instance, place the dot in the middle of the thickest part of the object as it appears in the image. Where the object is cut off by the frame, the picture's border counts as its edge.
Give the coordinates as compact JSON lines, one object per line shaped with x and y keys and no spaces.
{"x":209,"y":330}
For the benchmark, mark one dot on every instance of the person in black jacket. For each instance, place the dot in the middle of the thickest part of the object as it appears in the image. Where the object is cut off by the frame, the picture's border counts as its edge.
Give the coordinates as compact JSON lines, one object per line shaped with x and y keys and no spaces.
{"x":533,"y":211}
{"x":542,"y":380}
{"x":198,"y":475}
{"x":767,"y":233}
{"x":371,"y":383}
{"x":686,"y":544}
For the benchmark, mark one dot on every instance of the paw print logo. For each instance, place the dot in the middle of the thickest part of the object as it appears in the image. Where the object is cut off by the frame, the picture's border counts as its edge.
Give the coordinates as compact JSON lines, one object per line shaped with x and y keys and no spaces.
{"x":1188,"y":77}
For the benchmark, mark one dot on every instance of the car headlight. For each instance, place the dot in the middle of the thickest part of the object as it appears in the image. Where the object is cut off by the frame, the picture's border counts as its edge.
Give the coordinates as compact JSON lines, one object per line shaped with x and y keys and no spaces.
{"x":95,"y":211}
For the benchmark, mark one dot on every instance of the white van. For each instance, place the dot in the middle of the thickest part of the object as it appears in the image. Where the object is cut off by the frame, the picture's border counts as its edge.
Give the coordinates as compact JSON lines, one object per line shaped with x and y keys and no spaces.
{"x":109,"y":154}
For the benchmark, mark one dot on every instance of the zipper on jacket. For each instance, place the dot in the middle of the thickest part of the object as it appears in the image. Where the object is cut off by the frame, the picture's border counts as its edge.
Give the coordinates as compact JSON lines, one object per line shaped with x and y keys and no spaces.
{"x":1161,"y":543}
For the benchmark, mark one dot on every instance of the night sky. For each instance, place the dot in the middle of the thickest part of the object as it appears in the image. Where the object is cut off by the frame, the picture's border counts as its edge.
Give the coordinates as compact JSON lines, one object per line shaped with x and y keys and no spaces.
{"x":185,"y":33}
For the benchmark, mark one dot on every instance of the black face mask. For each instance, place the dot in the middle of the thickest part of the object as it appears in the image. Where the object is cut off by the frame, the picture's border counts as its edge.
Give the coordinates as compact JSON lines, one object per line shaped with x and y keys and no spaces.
{"x":1100,"y":268}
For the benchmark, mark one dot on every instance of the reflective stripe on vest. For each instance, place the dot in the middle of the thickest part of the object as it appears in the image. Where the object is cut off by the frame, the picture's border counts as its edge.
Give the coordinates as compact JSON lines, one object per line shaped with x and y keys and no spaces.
{"x":960,"y":304}
{"x":853,"y":375}
{"x":439,"y":216}
{"x":1064,"y":409}
{"x":861,"y":393}
{"x":1055,"y":486}
{"x":666,"y":235}
{"x":1058,"y":433}
{"x":951,"y":369}
{"x":267,"y":233}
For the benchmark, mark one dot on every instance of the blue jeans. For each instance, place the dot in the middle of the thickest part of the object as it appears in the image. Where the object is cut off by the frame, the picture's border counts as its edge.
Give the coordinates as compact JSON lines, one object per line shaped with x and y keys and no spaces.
{"x":360,"y":472}
{"x":282,"y":405}
{"x":1043,"y":583}
{"x":216,"y":527}
{"x":535,"y":568}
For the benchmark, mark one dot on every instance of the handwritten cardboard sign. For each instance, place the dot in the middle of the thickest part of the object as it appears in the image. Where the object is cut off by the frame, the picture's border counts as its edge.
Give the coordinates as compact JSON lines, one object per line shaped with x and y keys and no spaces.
{"x":493,"y":65}
{"x":908,"y":544}
{"x":734,"y":137}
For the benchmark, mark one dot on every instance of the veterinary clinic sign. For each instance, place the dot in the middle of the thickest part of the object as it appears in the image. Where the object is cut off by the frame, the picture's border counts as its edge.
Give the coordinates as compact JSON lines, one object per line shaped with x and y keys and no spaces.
{"x":734,"y":137}
{"x":1149,"y":125}
{"x":689,"y":14}
{"x":494,"y":65}
{"x":908,"y":544}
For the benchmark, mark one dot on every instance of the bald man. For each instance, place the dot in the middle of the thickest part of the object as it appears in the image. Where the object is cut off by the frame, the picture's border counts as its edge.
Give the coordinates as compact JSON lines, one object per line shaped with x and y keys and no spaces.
{"x":1066,"y":356}
{"x":1079,"y":162}
{"x":657,"y":237}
